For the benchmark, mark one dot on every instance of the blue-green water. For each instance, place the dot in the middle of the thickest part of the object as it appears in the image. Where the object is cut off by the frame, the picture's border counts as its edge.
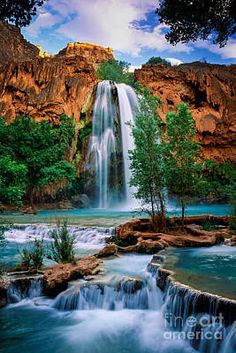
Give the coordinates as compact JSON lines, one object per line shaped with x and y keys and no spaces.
{"x":207,"y":269}
{"x":34,"y":326}
{"x":106,"y":218}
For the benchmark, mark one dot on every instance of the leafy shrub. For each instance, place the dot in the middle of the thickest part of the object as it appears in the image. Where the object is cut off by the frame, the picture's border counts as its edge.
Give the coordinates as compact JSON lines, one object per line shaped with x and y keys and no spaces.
{"x":208,"y":225}
{"x":114,"y":70}
{"x":25,"y":259}
{"x":158,"y":60}
{"x":32,"y":258}
{"x":62,"y":247}
{"x":37,"y":254}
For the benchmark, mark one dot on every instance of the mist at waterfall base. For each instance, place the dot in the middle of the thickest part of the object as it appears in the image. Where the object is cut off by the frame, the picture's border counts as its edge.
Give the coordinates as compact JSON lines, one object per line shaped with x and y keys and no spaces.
{"x":114,"y":109}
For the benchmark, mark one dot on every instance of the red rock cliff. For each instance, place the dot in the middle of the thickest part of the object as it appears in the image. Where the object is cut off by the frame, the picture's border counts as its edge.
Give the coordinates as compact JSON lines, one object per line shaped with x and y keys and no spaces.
{"x":13,"y":47}
{"x":47,"y":86}
{"x":210,"y":91}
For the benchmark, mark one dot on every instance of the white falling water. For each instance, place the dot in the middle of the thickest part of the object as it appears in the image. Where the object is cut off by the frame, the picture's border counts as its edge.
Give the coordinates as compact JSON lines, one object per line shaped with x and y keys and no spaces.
{"x":111,"y":139}
{"x":128,"y":104}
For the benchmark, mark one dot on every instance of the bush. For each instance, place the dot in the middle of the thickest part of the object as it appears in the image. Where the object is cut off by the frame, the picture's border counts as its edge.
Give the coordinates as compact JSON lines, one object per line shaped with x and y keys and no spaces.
{"x":33,"y":258}
{"x":208,"y":226}
{"x":62,"y":247}
{"x":37,"y":254}
{"x":117,"y":71}
{"x":154,"y":60}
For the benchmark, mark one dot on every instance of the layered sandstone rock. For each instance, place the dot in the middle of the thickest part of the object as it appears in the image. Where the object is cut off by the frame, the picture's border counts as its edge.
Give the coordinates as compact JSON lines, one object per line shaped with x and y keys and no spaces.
{"x":95,"y":54}
{"x":56,"y":279}
{"x":137,"y":236}
{"x":44,"y":86}
{"x":210,"y":92}
{"x":13,"y":46}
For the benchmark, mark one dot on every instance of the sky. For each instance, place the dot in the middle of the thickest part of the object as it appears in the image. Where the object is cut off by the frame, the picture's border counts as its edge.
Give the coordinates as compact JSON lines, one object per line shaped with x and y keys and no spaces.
{"x":130,"y":27}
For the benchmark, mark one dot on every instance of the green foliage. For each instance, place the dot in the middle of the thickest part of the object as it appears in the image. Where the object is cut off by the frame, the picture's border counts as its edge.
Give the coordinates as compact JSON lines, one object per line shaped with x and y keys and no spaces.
{"x":116,"y":71}
{"x":19,"y":13}
{"x":221,"y":179}
{"x":181,"y":152}
{"x":12,"y":180}
{"x":146,"y":159}
{"x":36,"y":156}
{"x":62,"y":247}
{"x":32,"y":258}
{"x":4,"y":227}
{"x":208,"y":225}
{"x":232,"y":201}
{"x":85,"y":131}
{"x":197,"y":19}
{"x":158,"y":60}
{"x":25,"y":259}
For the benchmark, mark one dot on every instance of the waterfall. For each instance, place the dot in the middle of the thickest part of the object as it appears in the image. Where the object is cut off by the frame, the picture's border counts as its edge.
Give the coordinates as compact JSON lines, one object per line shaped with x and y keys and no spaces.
{"x":206,"y":321}
{"x":127,"y":293}
{"x":111,"y":139}
{"x":85,"y":237}
{"x":23,"y":288}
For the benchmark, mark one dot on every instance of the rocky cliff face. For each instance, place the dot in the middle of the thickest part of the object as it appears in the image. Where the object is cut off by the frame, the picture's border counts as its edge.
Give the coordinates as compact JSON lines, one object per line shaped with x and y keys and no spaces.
{"x":46,"y":86}
{"x":32,"y":82}
{"x":95,"y":54}
{"x":210,"y":91}
{"x":13,"y":47}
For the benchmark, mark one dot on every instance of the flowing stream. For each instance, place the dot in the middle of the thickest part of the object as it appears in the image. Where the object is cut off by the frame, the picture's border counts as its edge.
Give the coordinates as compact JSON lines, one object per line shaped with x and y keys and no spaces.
{"x":111,"y":139}
{"x":120,"y":310}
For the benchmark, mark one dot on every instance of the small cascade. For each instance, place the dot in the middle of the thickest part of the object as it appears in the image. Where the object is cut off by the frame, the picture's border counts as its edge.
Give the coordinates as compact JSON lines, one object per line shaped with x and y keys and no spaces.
{"x":111,"y":139}
{"x":127,"y":293}
{"x":206,"y":321}
{"x":24,"y":288}
{"x":85,"y":237}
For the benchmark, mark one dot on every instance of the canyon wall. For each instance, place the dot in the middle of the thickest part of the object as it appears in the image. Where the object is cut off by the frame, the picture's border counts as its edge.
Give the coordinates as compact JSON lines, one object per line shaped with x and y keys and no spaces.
{"x":210,"y":92}
{"x":42,"y":85}
{"x":45,"y":86}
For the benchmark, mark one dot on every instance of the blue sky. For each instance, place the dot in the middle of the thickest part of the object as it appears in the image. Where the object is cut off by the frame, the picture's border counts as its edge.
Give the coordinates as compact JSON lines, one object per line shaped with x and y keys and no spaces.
{"x":130,"y":27}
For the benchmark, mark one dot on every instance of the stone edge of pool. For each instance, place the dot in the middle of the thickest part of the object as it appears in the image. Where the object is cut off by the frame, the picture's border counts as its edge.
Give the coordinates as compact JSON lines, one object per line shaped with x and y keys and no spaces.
{"x":213,"y":304}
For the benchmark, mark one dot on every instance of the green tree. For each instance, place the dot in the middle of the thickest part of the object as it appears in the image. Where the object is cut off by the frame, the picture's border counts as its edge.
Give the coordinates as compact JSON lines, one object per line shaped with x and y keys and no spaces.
{"x":197,"y":19}
{"x":12,"y":181}
{"x":220,"y":177}
{"x":43,"y":148}
{"x":62,"y":247}
{"x":158,"y":60}
{"x":183,"y":171}
{"x":19,"y":13}
{"x":114,"y":70}
{"x":146,"y":165}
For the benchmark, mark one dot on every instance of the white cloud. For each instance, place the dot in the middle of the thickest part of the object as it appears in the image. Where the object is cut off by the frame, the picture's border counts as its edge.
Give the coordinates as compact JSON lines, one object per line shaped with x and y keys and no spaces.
{"x":174,"y":61}
{"x":113,"y":23}
{"x":44,"y":20}
{"x":226,"y":52}
{"x":133,"y":67}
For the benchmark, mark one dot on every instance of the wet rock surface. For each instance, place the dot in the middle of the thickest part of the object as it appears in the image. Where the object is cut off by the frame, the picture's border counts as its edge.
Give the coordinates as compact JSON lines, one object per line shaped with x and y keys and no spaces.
{"x":137,"y":236}
{"x":56,"y":279}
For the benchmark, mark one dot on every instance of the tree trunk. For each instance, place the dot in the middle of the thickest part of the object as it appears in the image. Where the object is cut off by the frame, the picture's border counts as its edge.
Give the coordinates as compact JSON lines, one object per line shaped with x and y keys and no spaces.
{"x":163,"y":221}
{"x":31,"y":199}
{"x":183,"y":215}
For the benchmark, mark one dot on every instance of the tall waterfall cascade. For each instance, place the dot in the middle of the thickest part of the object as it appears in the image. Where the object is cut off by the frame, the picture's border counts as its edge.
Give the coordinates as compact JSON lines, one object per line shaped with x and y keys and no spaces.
{"x":115,"y":107}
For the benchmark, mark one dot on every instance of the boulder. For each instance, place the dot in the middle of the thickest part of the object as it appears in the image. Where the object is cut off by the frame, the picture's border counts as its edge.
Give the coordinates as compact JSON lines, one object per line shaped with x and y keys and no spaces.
{"x":56,"y":279}
{"x":3,"y":291}
{"x":108,"y":250}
